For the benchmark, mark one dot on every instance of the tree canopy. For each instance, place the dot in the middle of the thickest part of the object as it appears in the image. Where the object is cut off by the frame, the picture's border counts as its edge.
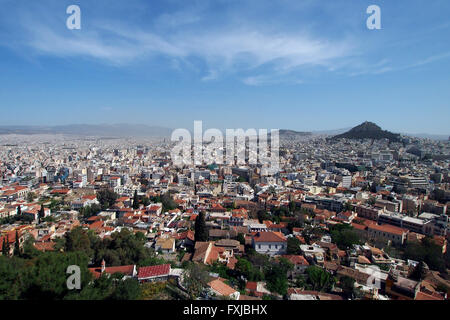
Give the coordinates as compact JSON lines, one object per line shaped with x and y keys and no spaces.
{"x":195,"y":279}
{"x":107,"y":198}
{"x":276,"y":275}
{"x":319,"y":279}
{"x":426,"y":251}
{"x":201,"y":231}
{"x":293,"y":245}
{"x":344,"y":236}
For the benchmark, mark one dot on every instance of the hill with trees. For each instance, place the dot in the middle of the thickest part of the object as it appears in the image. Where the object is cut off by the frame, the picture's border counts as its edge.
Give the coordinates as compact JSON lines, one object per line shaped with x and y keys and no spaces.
{"x":368,"y":130}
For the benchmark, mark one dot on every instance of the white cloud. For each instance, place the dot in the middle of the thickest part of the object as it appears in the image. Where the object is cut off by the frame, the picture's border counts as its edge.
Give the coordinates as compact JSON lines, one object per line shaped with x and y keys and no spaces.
{"x":262,"y":80}
{"x":221,"y":51}
{"x":192,"y":40}
{"x":246,"y":50}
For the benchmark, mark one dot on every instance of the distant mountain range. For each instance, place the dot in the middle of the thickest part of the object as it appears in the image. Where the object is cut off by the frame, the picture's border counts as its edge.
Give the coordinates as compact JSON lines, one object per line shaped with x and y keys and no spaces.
{"x":331,"y":132}
{"x":428,"y":136}
{"x":110,"y":130}
{"x":113,"y":130}
{"x":291,"y":134}
{"x":368,"y":130}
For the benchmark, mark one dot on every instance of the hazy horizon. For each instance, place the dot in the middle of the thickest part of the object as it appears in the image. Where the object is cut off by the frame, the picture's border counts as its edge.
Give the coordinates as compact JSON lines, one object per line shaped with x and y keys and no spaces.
{"x":300,"y":65}
{"x":190,"y":127}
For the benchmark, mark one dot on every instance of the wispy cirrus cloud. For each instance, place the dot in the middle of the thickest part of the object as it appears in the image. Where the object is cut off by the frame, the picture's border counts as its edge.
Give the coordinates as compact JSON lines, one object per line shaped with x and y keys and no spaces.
{"x":261,"y":80}
{"x":189,"y":36}
{"x":222,"y":51}
{"x":181,"y":37}
{"x":385,"y":65}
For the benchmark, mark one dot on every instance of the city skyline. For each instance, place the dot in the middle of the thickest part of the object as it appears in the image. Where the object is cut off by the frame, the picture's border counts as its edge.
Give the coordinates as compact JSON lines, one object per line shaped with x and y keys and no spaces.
{"x":303,"y":65}
{"x":142,"y":130}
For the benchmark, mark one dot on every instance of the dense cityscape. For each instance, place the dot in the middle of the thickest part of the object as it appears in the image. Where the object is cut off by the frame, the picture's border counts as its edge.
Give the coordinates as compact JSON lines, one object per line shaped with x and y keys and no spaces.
{"x":224,"y":158}
{"x":357,"y":216}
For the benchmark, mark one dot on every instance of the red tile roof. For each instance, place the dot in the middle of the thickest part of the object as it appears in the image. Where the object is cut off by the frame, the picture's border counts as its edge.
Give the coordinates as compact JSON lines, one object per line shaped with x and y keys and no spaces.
{"x":296,"y":260}
{"x":96,"y":225}
{"x":90,"y":197}
{"x":424,"y":296}
{"x":251,"y":286}
{"x":269,"y":237}
{"x":221,"y":287}
{"x":45,"y":246}
{"x":126,"y":270}
{"x":154,"y":271}
{"x":60,"y":191}
{"x":388,"y":229}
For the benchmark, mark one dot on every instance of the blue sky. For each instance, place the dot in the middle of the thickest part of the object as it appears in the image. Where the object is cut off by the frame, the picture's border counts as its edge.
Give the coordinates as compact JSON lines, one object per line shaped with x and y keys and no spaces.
{"x":301,"y":65}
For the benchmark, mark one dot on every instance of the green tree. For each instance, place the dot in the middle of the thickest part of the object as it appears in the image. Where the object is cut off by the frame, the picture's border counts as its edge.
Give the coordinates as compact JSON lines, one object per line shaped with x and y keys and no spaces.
{"x":135,"y":200}
{"x":298,"y":222}
{"x":11,"y":278}
{"x":28,"y":249}
{"x":31,"y":196}
{"x":168,"y":203}
{"x":276,"y":275}
{"x":152,"y":290}
{"x":46,"y":278}
{"x":348,"y":206}
{"x":419,"y":272}
{"x":293,"y":245}
{"x":5,"y":249}
{"x":320,"y":279}
{"x":91,"y":210}
{"x":17,"y":245}
{"x":344,"y":236}
{"x":127,"y":289}
{"x":78,"y":240}
{"x":123,"y":248}
{"x":241,"y":238}
{"x":258,"y":260}
{"x":301,"y":282}
{"x":107,"y":198}
{"x":292,"y":206}
{"x":195,"y":279}
{"x":262,"y":215}
{"x":41,"y":213}
{"x":201,"y":232}
{"x":426,"y":251}
{"x":145,"y":201}
{"x":246,"y":268}
{"x":373,"y":187}
{"x":347,"y":285}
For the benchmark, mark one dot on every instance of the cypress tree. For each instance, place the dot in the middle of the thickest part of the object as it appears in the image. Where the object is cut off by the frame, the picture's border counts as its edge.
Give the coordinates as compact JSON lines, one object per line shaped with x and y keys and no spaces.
{"x":373,"y":187}
{"x":201,"y":232}
{"x":419,"y":272}
{"x":41,"y":213}
{"x":16,"y":245}
{"x":19,"y":210}
{"x":135,"y":200}
{"x":5,"y":247}
{"x":4,"y":252}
